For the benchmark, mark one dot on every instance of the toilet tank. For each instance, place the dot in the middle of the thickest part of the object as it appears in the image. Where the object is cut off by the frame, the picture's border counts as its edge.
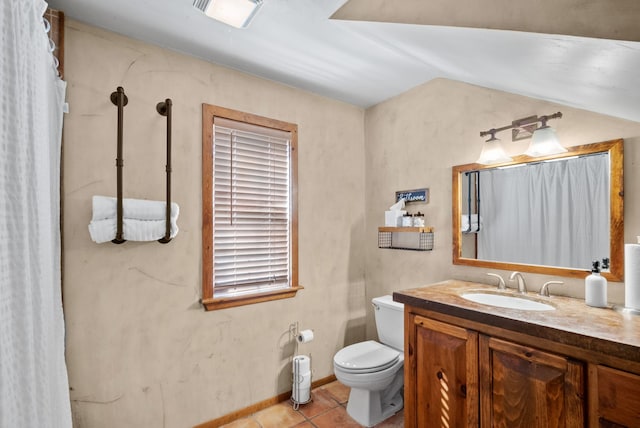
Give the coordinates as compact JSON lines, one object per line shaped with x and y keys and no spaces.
{"x":389,"y":321}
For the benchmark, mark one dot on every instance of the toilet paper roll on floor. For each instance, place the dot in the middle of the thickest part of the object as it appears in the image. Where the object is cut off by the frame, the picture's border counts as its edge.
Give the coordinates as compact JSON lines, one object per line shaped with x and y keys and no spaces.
{"x":305,"y":336}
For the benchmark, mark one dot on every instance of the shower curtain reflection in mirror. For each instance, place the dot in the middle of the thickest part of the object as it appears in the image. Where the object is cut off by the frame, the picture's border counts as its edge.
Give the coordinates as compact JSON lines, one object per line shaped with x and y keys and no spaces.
{"x":546,"y":213}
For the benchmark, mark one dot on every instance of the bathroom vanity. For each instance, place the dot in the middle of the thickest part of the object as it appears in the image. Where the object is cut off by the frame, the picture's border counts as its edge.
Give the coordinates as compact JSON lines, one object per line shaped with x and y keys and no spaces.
{"x":471,"y":364}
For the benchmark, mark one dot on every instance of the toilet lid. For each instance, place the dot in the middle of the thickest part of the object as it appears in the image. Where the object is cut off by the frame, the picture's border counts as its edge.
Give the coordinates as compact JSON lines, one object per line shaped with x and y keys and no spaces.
{"x":366,"y":357}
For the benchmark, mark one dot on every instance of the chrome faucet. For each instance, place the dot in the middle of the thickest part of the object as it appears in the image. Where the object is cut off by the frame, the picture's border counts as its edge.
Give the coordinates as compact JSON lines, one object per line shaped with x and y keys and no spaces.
{"x":544,"y":291}
{"x":501,"y":284}
{"x":522,"y":287}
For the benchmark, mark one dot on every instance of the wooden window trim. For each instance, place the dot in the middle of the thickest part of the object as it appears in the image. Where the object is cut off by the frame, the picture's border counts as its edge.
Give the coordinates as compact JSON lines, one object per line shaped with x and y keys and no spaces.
{"x":209,"y":112}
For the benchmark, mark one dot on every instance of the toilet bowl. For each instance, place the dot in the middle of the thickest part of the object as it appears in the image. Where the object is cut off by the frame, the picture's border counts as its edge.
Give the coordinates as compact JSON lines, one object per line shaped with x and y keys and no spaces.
{"x":373,"y":370}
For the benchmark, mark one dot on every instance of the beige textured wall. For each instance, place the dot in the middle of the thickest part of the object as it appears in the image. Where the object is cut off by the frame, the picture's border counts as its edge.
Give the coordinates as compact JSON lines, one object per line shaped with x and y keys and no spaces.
{"x":414,"y":139}
{"x":140,"y":350}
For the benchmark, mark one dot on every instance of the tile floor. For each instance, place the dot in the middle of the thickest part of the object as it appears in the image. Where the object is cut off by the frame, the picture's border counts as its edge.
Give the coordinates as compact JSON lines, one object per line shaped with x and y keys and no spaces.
{"x":328,"y":409}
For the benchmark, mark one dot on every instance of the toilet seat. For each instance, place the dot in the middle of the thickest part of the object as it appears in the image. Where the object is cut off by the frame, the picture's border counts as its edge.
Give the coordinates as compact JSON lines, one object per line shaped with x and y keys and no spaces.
{"x":366,"y":357}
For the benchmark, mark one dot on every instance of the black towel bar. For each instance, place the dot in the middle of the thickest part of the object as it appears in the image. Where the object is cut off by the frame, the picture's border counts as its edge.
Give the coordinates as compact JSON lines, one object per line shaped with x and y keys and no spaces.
{"x":164,"y":108}
{"x":120,"y":100}
{"x":476,"y":192}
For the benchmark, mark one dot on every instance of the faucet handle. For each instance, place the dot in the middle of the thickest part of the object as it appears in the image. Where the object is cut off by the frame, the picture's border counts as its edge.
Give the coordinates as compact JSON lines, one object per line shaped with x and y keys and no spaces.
{"x":544,"y":290}
{"x":501,"y":284}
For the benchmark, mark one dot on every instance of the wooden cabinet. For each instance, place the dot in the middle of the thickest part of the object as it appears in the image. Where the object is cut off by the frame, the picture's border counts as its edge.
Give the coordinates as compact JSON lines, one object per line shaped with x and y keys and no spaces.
{"x":615,"y":398}
{"x":443,"y":375}
{"x":457,"y":377}
{"x":522,"y":386}
{"x":468,"y":364}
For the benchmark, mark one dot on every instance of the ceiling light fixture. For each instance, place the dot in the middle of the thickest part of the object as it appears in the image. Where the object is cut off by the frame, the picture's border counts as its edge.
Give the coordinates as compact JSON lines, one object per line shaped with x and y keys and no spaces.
{"x":543,"y":139}
{"x":237,"y":13}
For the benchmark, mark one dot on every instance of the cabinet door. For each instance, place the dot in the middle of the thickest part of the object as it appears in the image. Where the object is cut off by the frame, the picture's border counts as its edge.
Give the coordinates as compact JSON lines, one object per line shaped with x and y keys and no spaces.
{"x":618,"y":395}
{"x":443,"y":376}
{"x":525,"y":387}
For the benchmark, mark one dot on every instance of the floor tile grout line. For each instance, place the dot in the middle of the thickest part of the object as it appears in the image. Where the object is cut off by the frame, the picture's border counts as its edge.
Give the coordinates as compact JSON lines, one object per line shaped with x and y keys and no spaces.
{"x":321,"y":413}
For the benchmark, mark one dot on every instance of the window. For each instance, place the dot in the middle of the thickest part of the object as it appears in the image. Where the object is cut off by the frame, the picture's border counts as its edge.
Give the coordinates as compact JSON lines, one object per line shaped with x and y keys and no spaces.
{"x":249,"y":215}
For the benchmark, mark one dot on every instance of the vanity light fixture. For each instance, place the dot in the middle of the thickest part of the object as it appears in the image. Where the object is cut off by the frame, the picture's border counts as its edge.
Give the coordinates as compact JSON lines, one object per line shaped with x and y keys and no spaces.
{"x":492,"y":150}
{"x":237,"y":13}
{"x":543,"y":139}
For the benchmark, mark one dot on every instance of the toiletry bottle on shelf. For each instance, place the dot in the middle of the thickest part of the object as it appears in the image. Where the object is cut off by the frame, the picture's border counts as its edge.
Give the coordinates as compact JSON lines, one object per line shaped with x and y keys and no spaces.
{"x":407,"y":220}
{"x":595,"y":291}
{"x":418,"y":219}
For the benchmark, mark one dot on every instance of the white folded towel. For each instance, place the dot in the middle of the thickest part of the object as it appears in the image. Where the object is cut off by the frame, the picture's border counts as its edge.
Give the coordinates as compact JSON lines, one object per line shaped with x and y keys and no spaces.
{"x":141,"y":220}
{"x":465,"y":227}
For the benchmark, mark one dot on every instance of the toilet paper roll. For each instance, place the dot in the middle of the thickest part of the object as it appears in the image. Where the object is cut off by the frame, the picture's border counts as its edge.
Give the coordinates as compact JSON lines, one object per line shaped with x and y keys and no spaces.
{"x":632,"y":276}
{"x":302,"y":364}
{"x":301,"y":388}
{"x":306,"y":336}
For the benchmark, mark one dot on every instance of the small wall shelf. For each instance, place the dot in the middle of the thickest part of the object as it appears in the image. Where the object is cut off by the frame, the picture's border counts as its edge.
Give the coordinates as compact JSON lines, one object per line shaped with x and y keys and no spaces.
{"x":406,"y":238}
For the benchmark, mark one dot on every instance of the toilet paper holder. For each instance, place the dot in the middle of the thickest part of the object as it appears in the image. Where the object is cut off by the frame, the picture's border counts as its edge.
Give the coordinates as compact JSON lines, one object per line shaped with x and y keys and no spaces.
{"x":305,"y":336}
{"x":300,"y":336}
{"x":301,"y":367}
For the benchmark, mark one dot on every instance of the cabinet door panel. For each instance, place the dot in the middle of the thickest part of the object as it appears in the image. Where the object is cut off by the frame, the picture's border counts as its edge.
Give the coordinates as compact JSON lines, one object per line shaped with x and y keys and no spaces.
{"x":618,"y":398}
{"x":524,"y":387}
{"x":446,"y":375}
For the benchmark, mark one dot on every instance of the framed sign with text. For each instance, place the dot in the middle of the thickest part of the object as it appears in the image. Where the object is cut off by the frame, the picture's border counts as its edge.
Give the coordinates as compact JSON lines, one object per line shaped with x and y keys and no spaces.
{"x":417,"y":195}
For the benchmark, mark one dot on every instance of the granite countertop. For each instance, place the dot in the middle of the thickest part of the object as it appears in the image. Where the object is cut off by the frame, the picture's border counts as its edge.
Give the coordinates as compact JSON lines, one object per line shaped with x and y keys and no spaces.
{"x":572,"y":322}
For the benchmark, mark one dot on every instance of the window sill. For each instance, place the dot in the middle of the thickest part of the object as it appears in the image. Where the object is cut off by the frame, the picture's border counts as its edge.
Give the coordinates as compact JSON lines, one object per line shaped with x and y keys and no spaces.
{"x":230,"y":302}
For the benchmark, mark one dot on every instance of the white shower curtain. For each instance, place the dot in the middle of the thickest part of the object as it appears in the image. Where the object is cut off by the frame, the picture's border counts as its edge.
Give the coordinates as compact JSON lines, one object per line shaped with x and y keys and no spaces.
{"x":34,"y":389}
{"x":548,"y":213}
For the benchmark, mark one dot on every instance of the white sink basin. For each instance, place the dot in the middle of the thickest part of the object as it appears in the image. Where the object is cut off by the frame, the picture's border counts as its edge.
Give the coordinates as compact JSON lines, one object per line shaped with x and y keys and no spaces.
{"x":509,"y":301}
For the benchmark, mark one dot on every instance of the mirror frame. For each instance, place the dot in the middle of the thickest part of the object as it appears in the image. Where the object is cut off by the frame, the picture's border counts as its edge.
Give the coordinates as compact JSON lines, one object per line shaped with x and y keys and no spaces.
{"x":615,"y":149}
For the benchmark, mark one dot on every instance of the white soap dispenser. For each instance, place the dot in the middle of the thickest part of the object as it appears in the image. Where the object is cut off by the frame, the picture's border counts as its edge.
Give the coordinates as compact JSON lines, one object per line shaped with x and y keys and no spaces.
{"x":595,"y":287}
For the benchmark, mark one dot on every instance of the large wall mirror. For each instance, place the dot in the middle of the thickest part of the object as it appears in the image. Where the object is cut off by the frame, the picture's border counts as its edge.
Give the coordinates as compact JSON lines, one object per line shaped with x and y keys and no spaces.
{"x":552,"y":215}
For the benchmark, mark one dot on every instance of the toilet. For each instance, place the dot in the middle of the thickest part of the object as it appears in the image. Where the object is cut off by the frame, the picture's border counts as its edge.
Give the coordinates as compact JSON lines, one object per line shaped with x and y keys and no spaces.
{"x":374,"y":371}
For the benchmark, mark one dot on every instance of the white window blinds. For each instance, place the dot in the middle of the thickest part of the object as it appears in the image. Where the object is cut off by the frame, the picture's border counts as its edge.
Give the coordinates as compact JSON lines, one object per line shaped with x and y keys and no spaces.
{"x":251,"y":203}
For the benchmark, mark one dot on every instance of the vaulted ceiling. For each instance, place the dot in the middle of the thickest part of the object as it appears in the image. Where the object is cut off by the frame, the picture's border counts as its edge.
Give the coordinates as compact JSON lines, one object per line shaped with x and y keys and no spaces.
{"x":581,"y":53}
